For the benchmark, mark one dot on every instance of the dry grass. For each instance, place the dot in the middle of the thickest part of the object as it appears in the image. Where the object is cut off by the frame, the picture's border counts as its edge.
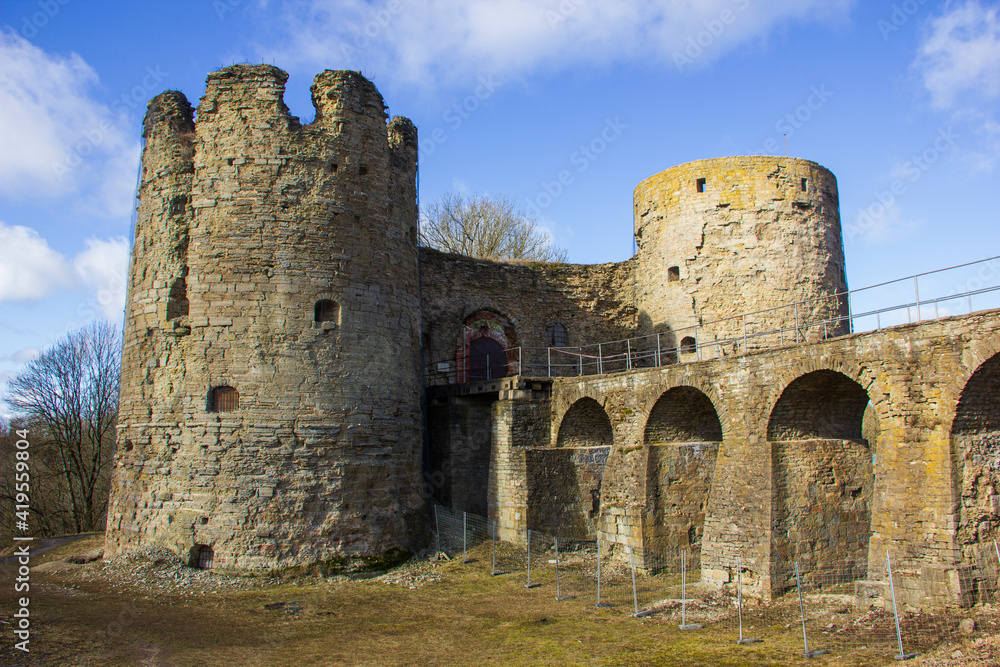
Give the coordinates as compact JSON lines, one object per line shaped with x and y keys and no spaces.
{"x":465,"y":618}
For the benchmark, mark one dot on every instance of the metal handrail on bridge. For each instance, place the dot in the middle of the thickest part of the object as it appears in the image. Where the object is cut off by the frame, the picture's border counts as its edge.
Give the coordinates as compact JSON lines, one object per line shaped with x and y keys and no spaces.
{"x":742,"y":333}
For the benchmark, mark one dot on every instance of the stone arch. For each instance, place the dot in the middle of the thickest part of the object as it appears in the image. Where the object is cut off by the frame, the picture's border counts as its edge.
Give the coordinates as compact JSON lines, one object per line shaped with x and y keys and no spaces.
{"x":486,"y":333}
{"x":822,"y":404}
{"x":683,"y":414}
{"x":823,"y":475}
{"x":975,"y":440}
{"x":863,"y":375}
{"x":585,"y":424}
{"x":682,"y":435}
{"x":564,"y":482}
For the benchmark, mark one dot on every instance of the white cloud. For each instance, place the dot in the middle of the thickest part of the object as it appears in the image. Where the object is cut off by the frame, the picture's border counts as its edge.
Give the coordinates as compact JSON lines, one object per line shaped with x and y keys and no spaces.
{"x":958,"y":62}
{"x":65,"y":141}
{"x":960,"y":55}
{"x":29,"y":268}
{"x":104,"y":267}
{"x":434,"y":42}
{"x":879,"y":224}
{"x":19,"y":357}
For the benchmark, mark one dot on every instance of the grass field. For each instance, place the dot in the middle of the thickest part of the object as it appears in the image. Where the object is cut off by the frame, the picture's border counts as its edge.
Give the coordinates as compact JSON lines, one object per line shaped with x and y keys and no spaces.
{"x":435,"y":614}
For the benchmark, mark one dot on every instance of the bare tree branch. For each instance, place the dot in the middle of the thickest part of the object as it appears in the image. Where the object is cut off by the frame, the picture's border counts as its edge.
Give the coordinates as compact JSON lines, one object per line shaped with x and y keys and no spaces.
{"x":486,"y":228}
{"x":68,"y":397}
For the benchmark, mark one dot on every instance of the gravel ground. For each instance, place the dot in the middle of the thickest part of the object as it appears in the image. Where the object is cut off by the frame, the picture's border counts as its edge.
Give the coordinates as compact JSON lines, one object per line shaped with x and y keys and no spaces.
{"x":155,"y":570}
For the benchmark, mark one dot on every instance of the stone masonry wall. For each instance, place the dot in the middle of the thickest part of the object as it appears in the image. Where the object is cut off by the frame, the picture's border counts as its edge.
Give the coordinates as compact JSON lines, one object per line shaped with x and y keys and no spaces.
{"x":821,"y":509}
{"x":521,"y":422}
{"x":976,"y":436}
{"x":722,"y":237}
{"x":680,"y":477}
{"x":593,"y":303}
{"x":564,"y":490}
{"x":914,"y":376}
{"x":459,"y":431}
{"x":247,"y":220}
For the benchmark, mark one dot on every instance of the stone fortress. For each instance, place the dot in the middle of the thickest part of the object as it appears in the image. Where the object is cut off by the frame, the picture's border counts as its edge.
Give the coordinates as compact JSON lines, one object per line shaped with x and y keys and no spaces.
{"x":300,"y":379}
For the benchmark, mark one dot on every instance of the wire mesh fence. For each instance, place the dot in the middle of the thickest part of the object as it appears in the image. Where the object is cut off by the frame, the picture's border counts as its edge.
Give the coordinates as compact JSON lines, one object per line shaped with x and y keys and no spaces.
{"x":846,"y":607}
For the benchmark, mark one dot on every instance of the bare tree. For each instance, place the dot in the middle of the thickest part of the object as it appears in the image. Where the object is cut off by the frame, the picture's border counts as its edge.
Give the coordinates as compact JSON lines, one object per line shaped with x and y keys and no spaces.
{"x":486,"y":228}
{"x":68,"y":398}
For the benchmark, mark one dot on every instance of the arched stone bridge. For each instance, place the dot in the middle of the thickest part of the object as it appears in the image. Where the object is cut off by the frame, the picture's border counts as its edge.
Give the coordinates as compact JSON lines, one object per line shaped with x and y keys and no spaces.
{"x":828,"y":454}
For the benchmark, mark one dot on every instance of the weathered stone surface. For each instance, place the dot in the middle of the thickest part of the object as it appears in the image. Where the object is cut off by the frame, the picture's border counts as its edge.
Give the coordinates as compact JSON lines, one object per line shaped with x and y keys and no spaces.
{"x":248,"y":221}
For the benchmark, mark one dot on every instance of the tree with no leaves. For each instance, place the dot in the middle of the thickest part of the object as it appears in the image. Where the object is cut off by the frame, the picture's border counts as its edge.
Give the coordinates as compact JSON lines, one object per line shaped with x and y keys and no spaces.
{"x":486,"y":228}
{"x":68,"y":397}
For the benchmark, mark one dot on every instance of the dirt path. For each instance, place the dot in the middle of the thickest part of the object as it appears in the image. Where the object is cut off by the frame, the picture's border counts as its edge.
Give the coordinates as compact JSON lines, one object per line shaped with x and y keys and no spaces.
{"x":44,"y":544}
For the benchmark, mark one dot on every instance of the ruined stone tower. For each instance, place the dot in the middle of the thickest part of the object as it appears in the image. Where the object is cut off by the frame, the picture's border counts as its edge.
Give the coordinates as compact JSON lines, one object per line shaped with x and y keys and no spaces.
{"x":270,"y":398}
{"x":721,"y":237}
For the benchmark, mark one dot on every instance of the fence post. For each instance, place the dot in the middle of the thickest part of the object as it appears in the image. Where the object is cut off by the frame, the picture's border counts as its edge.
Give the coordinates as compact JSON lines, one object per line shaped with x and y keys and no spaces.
{"x":850,"y":314}
{"x":600,"y":360}
{"x":739,"y":599}
{"x":635,"y":594}
{"x":599,"y":603}
{"x":796,"y":323}
{"x":684,"y":624}
{"x":659,"y":355}
{"x":465,"y":537}
{"x":916,"y":292}
{"x":494,"y":525}
{"x":437,"y":530}
{"x":895,"y":612}
{"x":802,"y":614}
{"x":628,"y":353}
{"x":529,"y":584}
{"x":744,"y":334}
{"x":697,"y":343}
{"x":997,"y":549}
{"x":560,"y":596}
{"x":548,"y":361}
{"x":581,"y":360}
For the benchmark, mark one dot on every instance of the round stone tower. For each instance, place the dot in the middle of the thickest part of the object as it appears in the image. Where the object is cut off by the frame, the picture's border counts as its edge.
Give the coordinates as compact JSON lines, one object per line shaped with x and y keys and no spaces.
{"x":270,"y":397}
{"x":722,"y":237}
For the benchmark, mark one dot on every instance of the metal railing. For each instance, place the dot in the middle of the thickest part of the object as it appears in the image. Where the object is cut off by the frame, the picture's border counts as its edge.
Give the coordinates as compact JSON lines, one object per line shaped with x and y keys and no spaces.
{"x":805,"y":321}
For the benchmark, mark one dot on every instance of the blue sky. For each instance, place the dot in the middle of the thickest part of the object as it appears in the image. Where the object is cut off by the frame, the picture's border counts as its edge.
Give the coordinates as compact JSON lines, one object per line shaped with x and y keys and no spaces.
{"x":898,"y":99}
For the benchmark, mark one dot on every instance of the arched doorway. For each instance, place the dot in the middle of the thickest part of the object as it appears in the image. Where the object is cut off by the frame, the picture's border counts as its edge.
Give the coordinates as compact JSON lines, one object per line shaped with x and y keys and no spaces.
{"x":975,"y":438}
{"x":682,"y":434}
{"x":482,"y":351}
{"x":487,"y":359}
{"x":564,"y":482}
{"x":823,"y":477}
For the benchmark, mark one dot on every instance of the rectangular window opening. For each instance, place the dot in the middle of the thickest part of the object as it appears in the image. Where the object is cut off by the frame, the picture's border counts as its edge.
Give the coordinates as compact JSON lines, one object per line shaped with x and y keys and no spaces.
{"x":804,"y":185}
{"x":702,"y":185}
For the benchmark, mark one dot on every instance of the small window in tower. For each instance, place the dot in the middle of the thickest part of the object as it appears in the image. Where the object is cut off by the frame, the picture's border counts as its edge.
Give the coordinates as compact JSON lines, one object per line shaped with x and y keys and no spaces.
{"x":804,"y":185}
{"x":327,"y":310}
{"x":178,"y":205}
{"x":673,"y":274}
{"x":702,"y":185}
{"x":688,"y":345}
{"x":224,"y":399}
{"x":177,"y":301}
{"x":556,"y":336}
{"x":362,"y":170}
